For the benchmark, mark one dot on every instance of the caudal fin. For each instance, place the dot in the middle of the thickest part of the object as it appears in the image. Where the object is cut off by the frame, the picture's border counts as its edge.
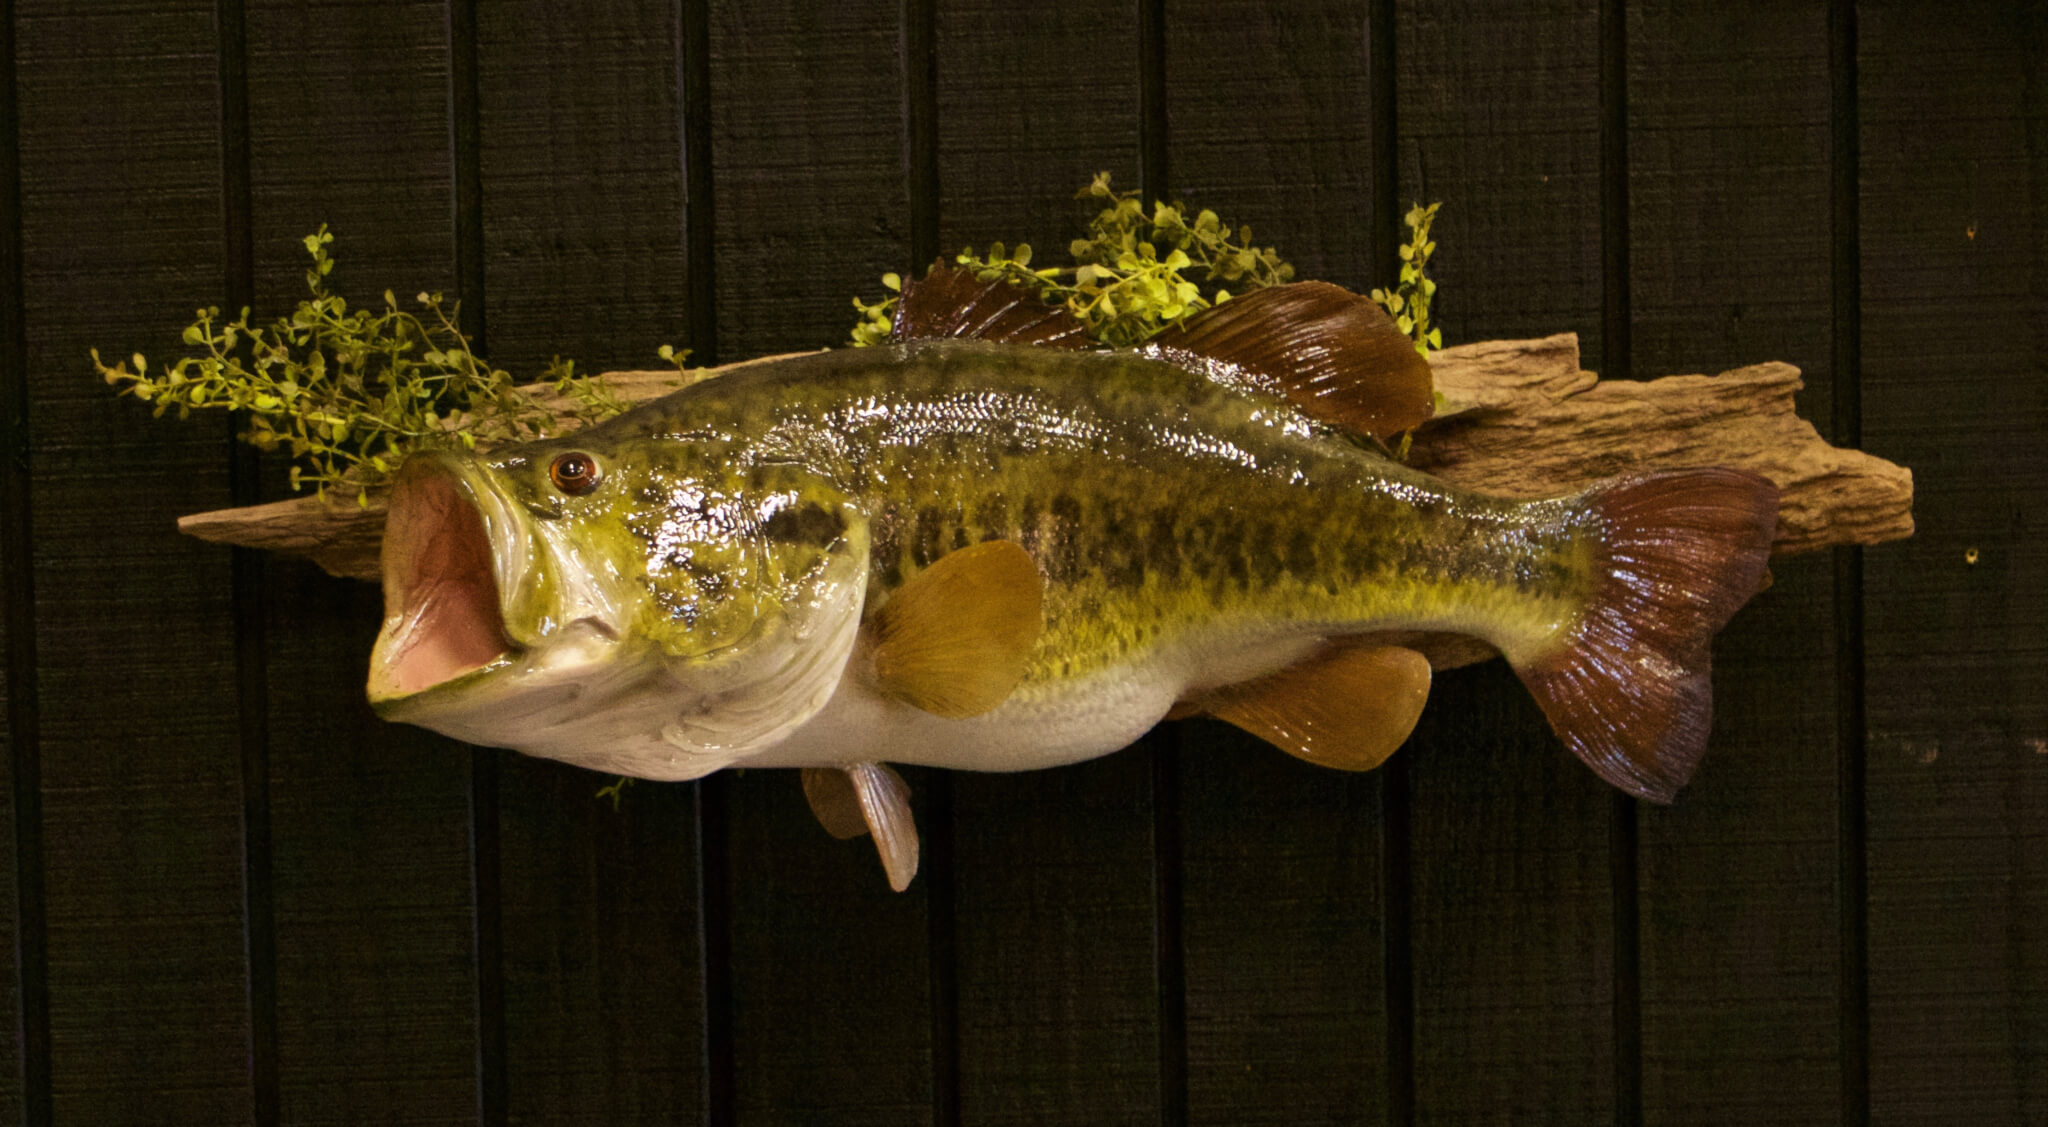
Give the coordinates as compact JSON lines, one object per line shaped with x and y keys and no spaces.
{"x":1680,"y":552}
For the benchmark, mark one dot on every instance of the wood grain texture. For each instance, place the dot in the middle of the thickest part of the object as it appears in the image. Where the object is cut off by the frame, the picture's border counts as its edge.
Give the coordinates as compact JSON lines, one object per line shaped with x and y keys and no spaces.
{"x":1058,"y":996}
{"x":1270,"y":110}
{"x":1058,"y":1002}
{"x":12,"y":1078}
{"x":376,"y":975}
{"x":831,"y":1014}
{"x":1952,"y":230}
{"x":1729,"y":211}
{"x":582,"y":184}
{"x":830,"y":986}
{"x":581,"y":176}
{"x":807,"y":152}
{"x":1513,"y":936}
{"x":120,"y":203}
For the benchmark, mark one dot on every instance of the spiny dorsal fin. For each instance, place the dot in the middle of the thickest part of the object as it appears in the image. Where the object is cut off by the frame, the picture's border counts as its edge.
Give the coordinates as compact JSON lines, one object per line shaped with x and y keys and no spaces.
{"x":1348,"y":707}
{"x":833,"y":800}
{"x":954,"y":640}
{"x":1336,"y":356}
{"x":951,"y":302}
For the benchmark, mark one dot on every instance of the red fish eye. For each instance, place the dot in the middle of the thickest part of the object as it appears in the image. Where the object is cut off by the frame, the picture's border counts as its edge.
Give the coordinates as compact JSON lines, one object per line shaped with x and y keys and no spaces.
{"x":574,"y":472}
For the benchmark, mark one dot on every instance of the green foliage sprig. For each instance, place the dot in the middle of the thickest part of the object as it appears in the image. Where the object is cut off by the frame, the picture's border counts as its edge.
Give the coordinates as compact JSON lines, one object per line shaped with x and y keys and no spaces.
{"x":1410,"y":299}
{"x":349,"y":391}
{"x":1133,"y":274}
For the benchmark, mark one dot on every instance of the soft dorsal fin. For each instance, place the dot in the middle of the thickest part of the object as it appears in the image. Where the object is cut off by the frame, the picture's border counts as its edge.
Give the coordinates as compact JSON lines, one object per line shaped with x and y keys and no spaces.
{"x":1336,"y":356}
{"x":1348,"y":707}
{"x":951,"y":302}
{"x":868,"y":798}
{"x":954,"y":640}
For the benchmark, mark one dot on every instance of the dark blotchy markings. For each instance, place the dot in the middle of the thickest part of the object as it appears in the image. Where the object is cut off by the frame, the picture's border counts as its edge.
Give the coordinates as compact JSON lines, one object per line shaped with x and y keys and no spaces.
{"x":1062,"y":556}
{"x":810,"y":523}
{"x":1162,"y":545}
{"x":1300,"y":557}
{"x":992,"y":517}
{"x":928,"y":540}
{"x":887,"y":533}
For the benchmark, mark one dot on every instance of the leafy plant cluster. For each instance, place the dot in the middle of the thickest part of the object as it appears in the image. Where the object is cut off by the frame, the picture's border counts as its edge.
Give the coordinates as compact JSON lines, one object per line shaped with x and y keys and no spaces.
{"x":349,"y":391}
{"x":1135,"y":274}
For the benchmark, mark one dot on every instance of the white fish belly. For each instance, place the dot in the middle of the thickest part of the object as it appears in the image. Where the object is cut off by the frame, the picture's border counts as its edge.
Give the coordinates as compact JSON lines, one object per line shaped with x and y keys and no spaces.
{"x":1048,"y":727}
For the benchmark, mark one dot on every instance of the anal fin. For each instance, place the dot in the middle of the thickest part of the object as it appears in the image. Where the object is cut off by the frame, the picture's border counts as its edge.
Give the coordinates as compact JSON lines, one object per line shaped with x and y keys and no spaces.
{"x":955,"y":640}
{"x":1348,"y":707}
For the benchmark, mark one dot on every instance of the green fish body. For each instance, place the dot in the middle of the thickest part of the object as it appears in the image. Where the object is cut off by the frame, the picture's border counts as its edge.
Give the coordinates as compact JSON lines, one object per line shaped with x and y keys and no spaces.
{"x":717,"y":597}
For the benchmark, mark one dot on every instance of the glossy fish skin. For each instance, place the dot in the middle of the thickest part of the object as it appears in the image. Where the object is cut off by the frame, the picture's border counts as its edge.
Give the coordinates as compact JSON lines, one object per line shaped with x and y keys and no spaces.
{"x":1189,"y":536}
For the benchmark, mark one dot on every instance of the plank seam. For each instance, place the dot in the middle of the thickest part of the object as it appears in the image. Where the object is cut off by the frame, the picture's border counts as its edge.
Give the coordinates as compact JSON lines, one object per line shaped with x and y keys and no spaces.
{"x":1846,"y":421}
{"x":921,"y":128}
{"x":1169,"y":925}
{"x":465,"y":129}
{"x":712,"y":794}
{"x":17,"y":552}
{"x":1397,"y":969}
{"x":693,"y":101}
{"x":920,"y":62}
{"x":1152,"y":122}
{"x":942,"y":948}
{"x":1617,"y":361}
{"x":246,"y":586}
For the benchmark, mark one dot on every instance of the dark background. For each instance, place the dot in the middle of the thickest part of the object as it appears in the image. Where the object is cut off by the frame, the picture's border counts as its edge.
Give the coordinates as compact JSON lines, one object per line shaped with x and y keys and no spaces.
{"x":237,"y":897}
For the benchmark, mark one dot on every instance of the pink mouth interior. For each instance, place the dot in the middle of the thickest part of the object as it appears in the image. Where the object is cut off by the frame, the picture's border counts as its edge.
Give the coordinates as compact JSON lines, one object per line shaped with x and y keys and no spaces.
{"x":440,"y":595}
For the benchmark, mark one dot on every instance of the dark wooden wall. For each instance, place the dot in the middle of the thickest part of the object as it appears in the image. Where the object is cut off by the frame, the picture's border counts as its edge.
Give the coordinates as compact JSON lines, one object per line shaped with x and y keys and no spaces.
{"x":236,"y":897}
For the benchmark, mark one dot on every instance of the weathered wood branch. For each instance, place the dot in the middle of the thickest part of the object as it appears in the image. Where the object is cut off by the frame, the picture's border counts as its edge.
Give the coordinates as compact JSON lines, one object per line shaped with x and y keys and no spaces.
{"x":1521,"y":419}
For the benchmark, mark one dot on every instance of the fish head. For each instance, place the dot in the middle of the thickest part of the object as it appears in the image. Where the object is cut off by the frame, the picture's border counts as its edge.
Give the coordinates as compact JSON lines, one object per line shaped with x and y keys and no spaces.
{"x":650,"y":607}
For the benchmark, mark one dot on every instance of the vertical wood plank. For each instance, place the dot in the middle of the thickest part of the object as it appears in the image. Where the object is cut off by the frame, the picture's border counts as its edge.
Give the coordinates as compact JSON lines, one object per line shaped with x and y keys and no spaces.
{"x":830,"y":979}
{"x":581,"y":183}
{"x":1059,"y":1007}
{"x":1513,"y":928}
{"x":376,"y":975}
{"x":24,"y":1085}
{"x":1286,"y":1009}
{"x":141,"y":804}
{"x":1729,"y":208}
{"x":1953,"y":354}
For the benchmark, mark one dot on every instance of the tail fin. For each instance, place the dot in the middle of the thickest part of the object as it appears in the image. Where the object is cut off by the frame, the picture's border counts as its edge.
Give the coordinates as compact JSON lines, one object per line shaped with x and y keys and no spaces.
{"x":1629,"y":693}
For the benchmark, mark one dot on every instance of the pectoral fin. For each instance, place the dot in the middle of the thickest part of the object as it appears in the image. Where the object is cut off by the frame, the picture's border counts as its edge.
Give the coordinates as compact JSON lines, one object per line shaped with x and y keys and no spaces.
{"x":1348,"y":707}
{"x":954,"y":640}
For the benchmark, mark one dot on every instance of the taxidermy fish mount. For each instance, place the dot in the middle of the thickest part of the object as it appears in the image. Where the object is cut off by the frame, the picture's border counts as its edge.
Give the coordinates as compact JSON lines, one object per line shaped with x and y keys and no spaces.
{"x":986,"y":545}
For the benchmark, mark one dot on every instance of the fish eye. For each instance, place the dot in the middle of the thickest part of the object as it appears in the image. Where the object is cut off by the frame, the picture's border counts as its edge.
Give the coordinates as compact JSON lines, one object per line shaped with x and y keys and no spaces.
{"x":574,"y":472}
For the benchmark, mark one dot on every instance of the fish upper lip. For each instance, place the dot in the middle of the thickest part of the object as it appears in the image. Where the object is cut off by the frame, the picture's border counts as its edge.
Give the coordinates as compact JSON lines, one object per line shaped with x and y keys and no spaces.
{"x":444,"y":620}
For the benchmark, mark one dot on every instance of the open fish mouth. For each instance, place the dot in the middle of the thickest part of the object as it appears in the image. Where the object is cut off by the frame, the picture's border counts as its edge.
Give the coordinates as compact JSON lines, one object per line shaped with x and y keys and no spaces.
{"x":443,"y":616}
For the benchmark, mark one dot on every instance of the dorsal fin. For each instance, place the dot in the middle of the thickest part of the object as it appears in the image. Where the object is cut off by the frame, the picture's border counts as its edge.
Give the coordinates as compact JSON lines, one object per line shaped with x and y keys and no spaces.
{"x":951,"y":302}
{"x":1336,"y":356}
{"x":1347,"y":707}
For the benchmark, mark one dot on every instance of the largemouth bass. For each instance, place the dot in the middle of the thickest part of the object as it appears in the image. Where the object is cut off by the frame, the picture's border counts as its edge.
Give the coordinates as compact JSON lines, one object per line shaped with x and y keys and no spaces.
{"x":979,"y":547}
